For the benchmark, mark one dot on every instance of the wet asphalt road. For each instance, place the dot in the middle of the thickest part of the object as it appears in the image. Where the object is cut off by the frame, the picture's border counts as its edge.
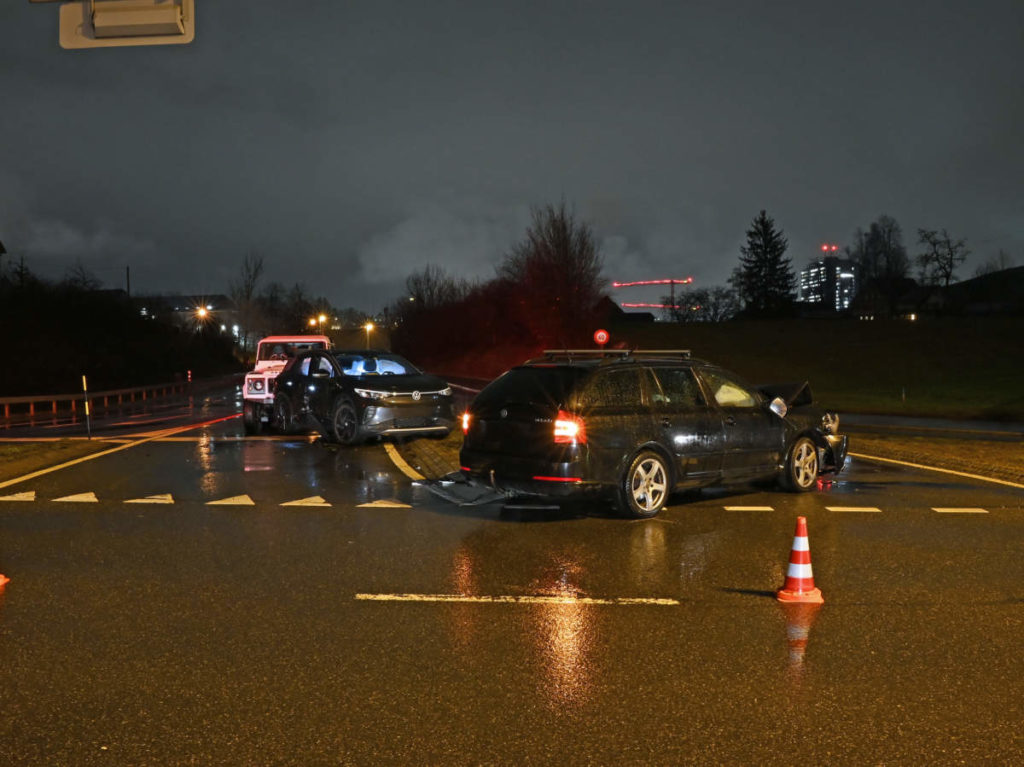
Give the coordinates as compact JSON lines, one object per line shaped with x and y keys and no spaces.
{"x":151,"y":627}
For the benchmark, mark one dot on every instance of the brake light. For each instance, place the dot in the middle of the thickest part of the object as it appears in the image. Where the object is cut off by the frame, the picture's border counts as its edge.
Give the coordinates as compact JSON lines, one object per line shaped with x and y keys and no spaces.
{"x":569,"y":429}
{"x":465,"y":422}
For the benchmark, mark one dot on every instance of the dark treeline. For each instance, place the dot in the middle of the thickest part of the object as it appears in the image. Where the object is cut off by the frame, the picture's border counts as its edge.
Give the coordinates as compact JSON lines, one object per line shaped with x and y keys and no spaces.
{"x":53,"y":334}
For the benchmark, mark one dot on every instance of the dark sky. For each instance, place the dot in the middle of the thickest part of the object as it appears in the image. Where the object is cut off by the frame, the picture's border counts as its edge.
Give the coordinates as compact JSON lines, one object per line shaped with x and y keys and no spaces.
{"x":351,"y":143}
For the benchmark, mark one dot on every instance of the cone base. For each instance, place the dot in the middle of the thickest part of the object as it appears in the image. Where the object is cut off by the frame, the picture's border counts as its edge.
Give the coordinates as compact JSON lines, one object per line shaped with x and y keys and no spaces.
{"x":806,"y":597}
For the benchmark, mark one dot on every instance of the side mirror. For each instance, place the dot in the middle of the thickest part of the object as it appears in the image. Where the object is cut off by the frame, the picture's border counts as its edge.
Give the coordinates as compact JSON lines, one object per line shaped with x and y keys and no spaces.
{"x":778,"y":406}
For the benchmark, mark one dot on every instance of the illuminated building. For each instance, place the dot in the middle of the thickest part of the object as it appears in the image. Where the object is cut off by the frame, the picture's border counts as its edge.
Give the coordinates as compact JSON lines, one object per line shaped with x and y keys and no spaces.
{"x":830,"y":282}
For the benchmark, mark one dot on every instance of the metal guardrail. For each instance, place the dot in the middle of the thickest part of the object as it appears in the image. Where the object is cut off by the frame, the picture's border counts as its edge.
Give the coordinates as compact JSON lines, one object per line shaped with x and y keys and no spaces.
{"x":53,"y":404}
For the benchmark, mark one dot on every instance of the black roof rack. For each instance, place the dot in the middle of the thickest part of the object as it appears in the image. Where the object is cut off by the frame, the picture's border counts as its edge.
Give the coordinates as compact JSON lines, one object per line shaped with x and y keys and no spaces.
{"x":607,"y":354}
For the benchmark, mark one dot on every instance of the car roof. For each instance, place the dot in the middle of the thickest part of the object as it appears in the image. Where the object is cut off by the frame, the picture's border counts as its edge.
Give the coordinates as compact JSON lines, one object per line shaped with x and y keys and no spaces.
{"x":592,"y":358}
{"x":294,"y":339}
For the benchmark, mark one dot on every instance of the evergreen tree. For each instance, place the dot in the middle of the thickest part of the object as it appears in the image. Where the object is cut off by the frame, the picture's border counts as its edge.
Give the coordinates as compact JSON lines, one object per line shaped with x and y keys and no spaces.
{"x":764,"y":280}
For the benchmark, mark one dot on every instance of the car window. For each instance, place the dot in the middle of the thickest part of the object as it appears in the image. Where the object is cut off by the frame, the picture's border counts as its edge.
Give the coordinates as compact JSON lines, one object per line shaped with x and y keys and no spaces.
{"x":531,"y":385}
{"x":613,"y":389}
{"x":323,"y":365}
{"x":728,"y":392}
{"x":679,"y":389}
{"x":304,"y":366}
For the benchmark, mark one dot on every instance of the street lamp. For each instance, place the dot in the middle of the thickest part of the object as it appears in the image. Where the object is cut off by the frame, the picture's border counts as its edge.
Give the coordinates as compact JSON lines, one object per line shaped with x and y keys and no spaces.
{"x":368,"y":327}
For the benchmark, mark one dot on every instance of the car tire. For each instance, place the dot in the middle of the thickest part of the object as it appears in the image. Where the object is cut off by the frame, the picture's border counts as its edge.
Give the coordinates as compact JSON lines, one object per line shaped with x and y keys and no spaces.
{"x":282,"y":419}
{"x":644,"y":488}
{"x":801,"y":470}
{"x":344,"y":422}
{"x":252,"y":418}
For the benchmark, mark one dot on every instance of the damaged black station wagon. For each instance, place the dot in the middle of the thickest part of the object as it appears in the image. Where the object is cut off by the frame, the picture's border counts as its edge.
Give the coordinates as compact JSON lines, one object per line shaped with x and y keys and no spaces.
{"x":638,"y":425}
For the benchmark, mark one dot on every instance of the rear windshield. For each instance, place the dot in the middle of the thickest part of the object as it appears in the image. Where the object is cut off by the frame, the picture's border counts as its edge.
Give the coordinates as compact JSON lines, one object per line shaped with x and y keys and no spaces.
{"x":532,"y":385}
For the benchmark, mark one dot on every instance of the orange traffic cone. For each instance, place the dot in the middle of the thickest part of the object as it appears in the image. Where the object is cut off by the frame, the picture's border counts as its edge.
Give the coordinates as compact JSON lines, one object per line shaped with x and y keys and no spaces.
{"x":799,"y":586}
{"x":4,"y":580}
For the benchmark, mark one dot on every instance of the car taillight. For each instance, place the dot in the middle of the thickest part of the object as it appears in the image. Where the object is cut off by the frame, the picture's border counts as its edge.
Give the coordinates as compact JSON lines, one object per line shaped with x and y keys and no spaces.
{"x":465,"y":422}
{"x":569,"y":429}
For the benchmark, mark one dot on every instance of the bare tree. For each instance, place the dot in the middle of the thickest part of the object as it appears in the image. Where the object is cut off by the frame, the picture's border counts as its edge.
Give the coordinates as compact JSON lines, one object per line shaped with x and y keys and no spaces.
{"x":78,"y":277}
{"x":556,"y":272}
{"x":940,"y":258}
{"x":243,"y":293}
{"x":433,"y":287}
{"x":882,"y":266}
{"x":997,"y":263}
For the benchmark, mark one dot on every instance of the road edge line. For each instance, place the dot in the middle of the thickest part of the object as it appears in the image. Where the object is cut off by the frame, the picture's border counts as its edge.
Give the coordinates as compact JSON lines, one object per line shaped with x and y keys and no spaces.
{"x":936,"y":468}
{"x":400,"y":462}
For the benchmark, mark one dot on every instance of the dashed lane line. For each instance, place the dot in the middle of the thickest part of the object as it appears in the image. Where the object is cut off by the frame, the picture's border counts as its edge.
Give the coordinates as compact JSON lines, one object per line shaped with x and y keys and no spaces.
{"x":523,"y":600}
{"x":935,"y":468}
{"x":949,"y":510}
{"x":869,"y":509}
{"x":749,"y":508}
{"x":136,"y":443}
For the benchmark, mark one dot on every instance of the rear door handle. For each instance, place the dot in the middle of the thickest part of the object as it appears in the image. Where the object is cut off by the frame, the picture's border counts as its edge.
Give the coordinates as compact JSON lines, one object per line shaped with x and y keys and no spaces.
{"x":730,"y":420}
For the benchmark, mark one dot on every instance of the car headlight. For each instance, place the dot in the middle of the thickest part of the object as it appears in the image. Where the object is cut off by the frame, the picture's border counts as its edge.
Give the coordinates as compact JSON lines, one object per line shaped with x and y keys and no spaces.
{"x":446,"y":391}
{"x":371,"y":393}
{"x":830,"y":423}
{"x":256,"y":384}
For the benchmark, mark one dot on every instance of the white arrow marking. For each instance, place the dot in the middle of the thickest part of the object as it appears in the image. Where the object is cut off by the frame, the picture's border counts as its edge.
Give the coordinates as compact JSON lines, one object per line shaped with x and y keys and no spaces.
{"x":29,"y":496}
{"x":315,"y":500}
{"x":79,"y":498}
{"x":165,"y":498}
{"x":235,"y":500}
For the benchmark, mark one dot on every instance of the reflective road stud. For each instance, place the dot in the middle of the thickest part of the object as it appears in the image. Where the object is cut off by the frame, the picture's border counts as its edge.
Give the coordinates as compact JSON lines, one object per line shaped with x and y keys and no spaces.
{"x":799,"y":586}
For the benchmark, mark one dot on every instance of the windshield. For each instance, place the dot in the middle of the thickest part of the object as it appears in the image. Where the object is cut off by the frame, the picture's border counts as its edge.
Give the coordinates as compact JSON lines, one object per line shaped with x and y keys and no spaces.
{"x":353,"y":364}
{"x":532,"y":385}
{"x":284,"y":350}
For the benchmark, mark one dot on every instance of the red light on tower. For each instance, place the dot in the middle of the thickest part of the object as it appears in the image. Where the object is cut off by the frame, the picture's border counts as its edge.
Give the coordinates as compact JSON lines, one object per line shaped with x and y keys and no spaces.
{"x":827,"y":247}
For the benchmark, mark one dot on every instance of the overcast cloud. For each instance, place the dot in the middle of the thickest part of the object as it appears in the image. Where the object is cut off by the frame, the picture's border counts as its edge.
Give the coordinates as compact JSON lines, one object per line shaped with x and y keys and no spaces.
{"x":351,"y":143}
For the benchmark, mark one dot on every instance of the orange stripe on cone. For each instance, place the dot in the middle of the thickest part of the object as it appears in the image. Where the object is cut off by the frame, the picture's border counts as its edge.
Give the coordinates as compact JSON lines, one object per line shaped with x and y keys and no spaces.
{"x":799,"y":586}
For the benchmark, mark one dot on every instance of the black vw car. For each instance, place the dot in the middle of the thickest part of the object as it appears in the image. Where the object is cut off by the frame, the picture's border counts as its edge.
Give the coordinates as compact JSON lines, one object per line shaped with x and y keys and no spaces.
{"x":349,"y":396}
{"x":640,"y":424}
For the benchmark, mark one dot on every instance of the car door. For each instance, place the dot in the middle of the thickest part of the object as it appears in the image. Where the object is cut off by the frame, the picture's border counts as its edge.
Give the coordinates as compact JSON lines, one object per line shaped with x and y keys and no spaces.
{"x":320,"y":386}
{"x":691,"y":428}
{"x":753,"y":434}
{"x":618,"y":419}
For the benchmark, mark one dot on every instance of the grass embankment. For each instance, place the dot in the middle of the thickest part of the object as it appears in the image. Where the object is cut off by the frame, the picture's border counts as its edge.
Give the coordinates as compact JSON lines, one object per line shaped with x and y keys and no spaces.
{"x":951,"y":368}
{"x":20,"y":458}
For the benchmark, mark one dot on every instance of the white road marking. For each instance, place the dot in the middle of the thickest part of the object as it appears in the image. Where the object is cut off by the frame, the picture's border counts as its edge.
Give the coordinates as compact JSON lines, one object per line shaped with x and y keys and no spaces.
{"x":400,"y":462}
{"x":78,"y":498}
{"x":871,"y":509}
{"x":508,"y":599}
{"x":384,"y":505}
{"x":29,"y":496}
{"x":314,"y":500}
{"x":749,"y":508}
{"x":935,"y":468}
{"x":951,"y":510}
{"x":235,"y":500}
{"x":164,"y":498}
